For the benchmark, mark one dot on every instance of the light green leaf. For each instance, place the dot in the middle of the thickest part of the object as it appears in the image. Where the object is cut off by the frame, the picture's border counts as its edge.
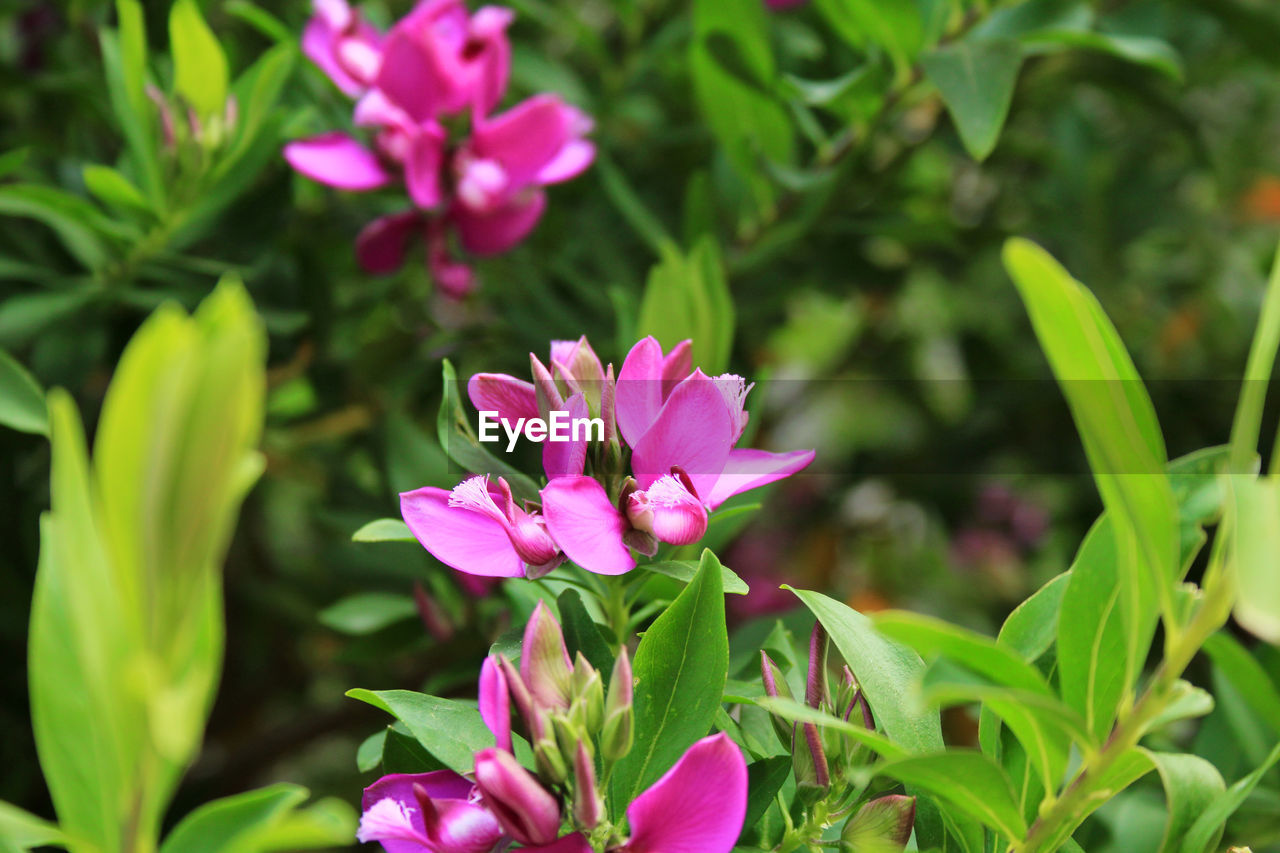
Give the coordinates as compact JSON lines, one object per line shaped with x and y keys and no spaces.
{"x":1035,"y":16}
{"x":113,"y":188}
{"x":73,"y":219}
{"x":453,"y":429}
{"x":1255,"y":553}
{"x":790,"y":709}
{"x":687,"y":296}
{"x":976,"y":80}
{"x":1203,"y":835}
{"x":22,"y":405}
{"x":452,"y":732}
{"x":1249,"y":678}
{"x":216,"y":827}
{"x":367,"y":612}
{"x":124,"y":59}
{"x":969,"y":781}
{"x":1190,"y":785}
{"x":685,"y":570}
{"x":680,"y":668}
{"x":200,"y":66}
{"x":897,"y":27}
{"x":1149,"y":52}
{"x":1247,"y":424}
{"x":25,"y":831}
{"x":384,"y":530}
{"x":369,"y":753}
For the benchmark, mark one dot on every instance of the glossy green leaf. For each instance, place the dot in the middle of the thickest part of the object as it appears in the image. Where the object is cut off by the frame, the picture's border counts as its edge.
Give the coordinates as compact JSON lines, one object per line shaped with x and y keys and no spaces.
{"x":969,"y":781}
{"x":976,"y":78}
{"x":680,"y":668}
{"x":200,"y":66}
{"x":450,"y":731}
{"x":1190,"y":785}
{"x":384,"y":530}
{"x":22,"y":405}
{"x":764,"y":779}
{"x":367,"y":612}
{"x":113,"y":188}
{"x":582,"y":634}
{"x":453,"y":429}
{"x":217,"y":826}
{"x":797,"y":712}
{"x":1203,"y":834}
{"x":687,"y":297}
{"x":685,"y":570}
{"x":402,"y":753}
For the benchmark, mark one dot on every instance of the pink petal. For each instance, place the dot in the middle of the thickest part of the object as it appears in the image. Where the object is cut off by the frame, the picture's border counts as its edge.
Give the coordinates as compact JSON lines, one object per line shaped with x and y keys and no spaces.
{"x":697,"y":807}
{"x":422,"y":166}
{"x":677,"y":366}
{"x":439,"y":784}
{"x":574,"y":843}
{"x":694,"y":431}
{"x":751,"y":469}
{"x":404,"y":76}
{"x":573,"y":160}
{"x":668,"y":511}
{"x":638,"y":398}
{"x":495,"y":703}
{"x":586,"y":525}
{"x":511,"y":398}
{"x":382,"y":243}
{"x":318,"y":44}
{"x":337,"y":160}
{"x":459,"y":537}
{"x":567,"y":458}
{"x":527,"y":138}
{"x":496,"y":231}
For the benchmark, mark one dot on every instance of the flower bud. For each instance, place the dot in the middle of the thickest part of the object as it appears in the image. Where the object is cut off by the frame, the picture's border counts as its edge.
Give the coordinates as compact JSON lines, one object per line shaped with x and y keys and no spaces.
{"x":619,"y":715}
{"x":668,"y":511}
{"x":526,"y":810}
{"x":544,"y":660}
{"x":520,"y":695}
{"x":568,"y":734}
{"x":577,"y":366}
{"x":588,"y":692}
{"x":882,"y":824}
{"x":809,"y":762}
{"x":546,"y":752}
{"x":545,"y":390}
{"x":775,"y":685}
{"x":587,"y":803}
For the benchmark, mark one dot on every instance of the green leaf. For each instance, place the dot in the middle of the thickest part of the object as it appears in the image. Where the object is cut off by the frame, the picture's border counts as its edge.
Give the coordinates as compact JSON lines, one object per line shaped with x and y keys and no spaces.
{"x":384,"y":530}
{"x":24,"y":316}
{"x":13,"y":160}
{"x":1255,"y":554}
{"x":367,"y":613}
{"x":261,"y":20}
{"x":680,"y":668}
{"x":1032,"y":626}
{"x":1255,"y":686}
{"x":1247,"y":424}
{"x":796,"y":712}
{"x":453,"y":428}
{"x":976,"y":79}
{"x":403,"y":754}
{"x":898,"y":28}
{"x":72,"y":219}
{"x":25,"y":830}
{"x":582,"y":634}
{"x":969,"y":781}
{"x":113,"y":188}
{"x":199,"y":65}
{"x":22,"y":405}
{"x":1190,"y":785}
{"x":124,"y":59}
{"x":369,"y":753}
{"x":765,"y":779}
{"x":627,"y":202}
{"x":1035,"y":16}
{"x":217,"y":826}
{"x":1203,"y":835}
{"x":687,"y":296}
{"x":685,"y":570}
{"x":1148,"y":52}
{"x":450,"y":731}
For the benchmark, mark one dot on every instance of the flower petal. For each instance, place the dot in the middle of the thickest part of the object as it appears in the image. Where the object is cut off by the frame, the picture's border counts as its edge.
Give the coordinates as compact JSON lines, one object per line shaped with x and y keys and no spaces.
{"x":697,"y":807}
{"x":694,"y":430}
{"x":337,"y":160}
{"x":586,"y":525}
{"x":422,"y":166}
{"x":527,"y":138}
{"x":496,"y":231}
{"x":574,"y":843}
{"x":638,"y":398}
{"x":526,"y":810}
{"x":464,"y":539}
{"x":495,"y":703}
{"x":750,"y":469}
{"x":382,"y":243}
{"x":567,"y":458}
{"x":573,"y":159}
{"x":668,"y":511}
{"x":511,"y":398}
{"x":319,"y":43}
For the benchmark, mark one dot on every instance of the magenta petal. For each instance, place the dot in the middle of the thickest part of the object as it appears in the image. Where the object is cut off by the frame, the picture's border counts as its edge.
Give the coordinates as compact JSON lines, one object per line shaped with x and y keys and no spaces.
{"x":574,"y":843}
{"x":511,"y":398}
{"x":319,"y":43}
{"x":586,"y":525}
{"x":526,"y":810}
{"x":751,"y":469}
{"x":382,"y":244}
{"x":638,"y":398}
{"x":677,"y":366}
{"x":496,"y":231}
{"x":337,"y":160}
{"x":459,"y":537}
{"x":694,"y":431}
{"x":422,"y":166}
{"x":439,"y":784}
{"x":567,"y":458}
{"x":403,"y":76}
{"x":573,"y":160}
{"x":668,"y":511}
{"x":495,"y":703}
{"x":526,"y":138}
{"x":697,"y":807}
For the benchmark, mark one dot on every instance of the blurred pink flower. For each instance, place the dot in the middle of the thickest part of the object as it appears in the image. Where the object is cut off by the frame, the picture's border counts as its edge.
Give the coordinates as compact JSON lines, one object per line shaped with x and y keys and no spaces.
{"x":344,"y":46}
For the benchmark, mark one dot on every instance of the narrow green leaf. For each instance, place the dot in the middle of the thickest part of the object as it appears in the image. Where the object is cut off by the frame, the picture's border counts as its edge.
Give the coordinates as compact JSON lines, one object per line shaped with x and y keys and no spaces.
{"x":1035,"y":16}
{"x":22,"y":405}
{"x":687,"y":296}
{"x":627,"y":202}
{"x":124,"y":59}
{"x":26,"y":831}
{"x":898,"y":28}
{"x":1259,"y":691}
{"x":1153,"y":53}
{"x":680,"y":667}
{"x":23,"y":316}
{"x":367,"y":613}
{"x":790,"y":709}
{"x":1247,"y":425}
{"x":453,"y":429}
{"x":384,"y":530}
{"x":113,"y":188}
{"x":967,"y":780}
{"x":764,"y":779}
{"x":1255,"y":553}
{"x":261,"y":20}
{"x":72,"y":219}
{"x":976,"y":78}
{"x":216,"y":827}
{"x":582,"y":634}
{"x":200,"y":66}
{"x":1203,"y":835}
{"x":1190,"y":785}
{"x":685,"y":570}
{"x":450,"y":731}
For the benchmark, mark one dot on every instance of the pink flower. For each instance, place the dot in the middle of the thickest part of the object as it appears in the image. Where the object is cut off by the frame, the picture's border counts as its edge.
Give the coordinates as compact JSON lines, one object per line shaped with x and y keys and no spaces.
{"x":478,"y":529}
{"x":344,"y":46}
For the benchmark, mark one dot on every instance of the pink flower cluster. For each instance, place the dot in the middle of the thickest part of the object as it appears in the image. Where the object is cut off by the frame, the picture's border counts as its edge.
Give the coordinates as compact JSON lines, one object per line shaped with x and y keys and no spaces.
{"x":699,"y":804}
{"x":668,"y":458}
{"x":437,"y":70}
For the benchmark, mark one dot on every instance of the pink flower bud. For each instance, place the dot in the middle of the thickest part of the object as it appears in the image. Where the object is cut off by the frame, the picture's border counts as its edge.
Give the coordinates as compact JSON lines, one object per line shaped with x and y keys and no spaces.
{"x":525,"y":809}
{"x":544,"y":661}
{"x":588,"y":807}
{"x":669,"y":511}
